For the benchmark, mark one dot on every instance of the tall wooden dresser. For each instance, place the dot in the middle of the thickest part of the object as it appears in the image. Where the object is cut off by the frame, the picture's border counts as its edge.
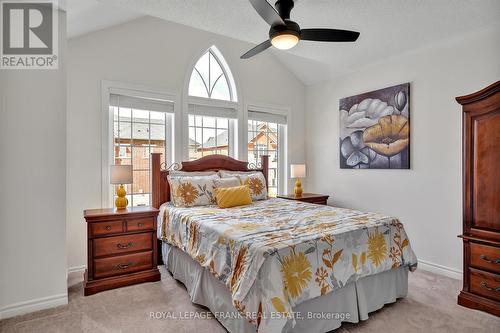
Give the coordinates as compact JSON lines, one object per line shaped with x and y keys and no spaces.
{"x":481,"y":200}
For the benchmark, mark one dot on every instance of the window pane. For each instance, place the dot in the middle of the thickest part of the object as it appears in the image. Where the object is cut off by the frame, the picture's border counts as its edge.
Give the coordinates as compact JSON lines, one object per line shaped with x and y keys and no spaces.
{"x":221,"y":90}
{"x":222,"y":123}
{"x":157,"y":117}
{"x":191,"y":120}
{"x":202,"y":66}
{"x":134,"y":141}
{"x":140,"y":158}
{"x":125,"y":114}
{"x":263,"y":140}
{"x":208,"y":79}
{"x":215,"y":70}
{"x":140,"y":116}
{"x":157,"y":133}
{"x":206,"y":138}
{"x":196,"y":86}
{"x":209,"y":122}
{"x":209,"y":139}
{"x":198,"y":121}
{"x":141,"y":199}
{"x":141,"y":182}
{"x":124,"y":132}
{"x":140,"y":132}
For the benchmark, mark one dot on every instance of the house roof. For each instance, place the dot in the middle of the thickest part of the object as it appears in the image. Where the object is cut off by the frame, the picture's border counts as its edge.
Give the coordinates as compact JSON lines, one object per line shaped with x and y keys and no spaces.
{"x":140,"y":130}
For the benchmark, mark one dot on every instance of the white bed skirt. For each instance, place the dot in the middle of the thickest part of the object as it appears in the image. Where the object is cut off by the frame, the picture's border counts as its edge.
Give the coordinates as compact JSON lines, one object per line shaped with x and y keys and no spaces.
{"x":355,"y":300}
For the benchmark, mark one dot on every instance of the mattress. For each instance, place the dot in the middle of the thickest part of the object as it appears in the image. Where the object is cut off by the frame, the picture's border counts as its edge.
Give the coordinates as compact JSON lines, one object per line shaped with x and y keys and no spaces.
{"x":275,"y":254}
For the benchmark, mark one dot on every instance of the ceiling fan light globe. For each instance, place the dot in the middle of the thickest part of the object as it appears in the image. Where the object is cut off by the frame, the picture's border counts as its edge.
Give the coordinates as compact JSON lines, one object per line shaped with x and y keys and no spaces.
{"x":285,"y":41}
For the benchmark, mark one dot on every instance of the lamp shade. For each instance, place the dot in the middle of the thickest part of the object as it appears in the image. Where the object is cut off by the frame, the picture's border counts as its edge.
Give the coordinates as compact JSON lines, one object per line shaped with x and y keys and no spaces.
{"x":297,"y":170}
{"x":121,"y":174}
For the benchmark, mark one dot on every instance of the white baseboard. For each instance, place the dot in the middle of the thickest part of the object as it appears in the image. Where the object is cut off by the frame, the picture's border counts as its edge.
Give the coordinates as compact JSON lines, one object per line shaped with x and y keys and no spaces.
{"x":77,"y":269}
{"x":440,"y":269}
{"x":43,"y":303}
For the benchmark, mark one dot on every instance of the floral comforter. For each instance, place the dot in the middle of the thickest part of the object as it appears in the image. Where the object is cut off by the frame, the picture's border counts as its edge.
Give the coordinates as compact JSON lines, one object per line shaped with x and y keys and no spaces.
{"x":275,"y":254}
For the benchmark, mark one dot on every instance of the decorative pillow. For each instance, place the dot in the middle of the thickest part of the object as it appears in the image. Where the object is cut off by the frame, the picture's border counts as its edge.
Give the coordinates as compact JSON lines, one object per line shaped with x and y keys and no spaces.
{"x":227,"y":182}
{"x":254,"y":179}
{"x":233,"y":196}
{"x":192,"y":191}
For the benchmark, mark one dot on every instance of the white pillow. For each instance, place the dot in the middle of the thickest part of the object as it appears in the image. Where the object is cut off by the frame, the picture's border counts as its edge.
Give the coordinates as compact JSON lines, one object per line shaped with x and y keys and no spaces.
{"x":227,"y":182}
{"x":255,"y":180}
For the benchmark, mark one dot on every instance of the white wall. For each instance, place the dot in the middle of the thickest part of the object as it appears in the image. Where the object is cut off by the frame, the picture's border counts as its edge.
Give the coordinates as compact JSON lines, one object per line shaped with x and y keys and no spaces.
{"x":32,"y":186}
{"x":154,"y":53}
{"x":426,"y":198}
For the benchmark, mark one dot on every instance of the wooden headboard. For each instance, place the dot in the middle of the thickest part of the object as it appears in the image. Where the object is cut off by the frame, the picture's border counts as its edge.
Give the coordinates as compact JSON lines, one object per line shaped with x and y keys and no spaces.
{"x":161,"y":189}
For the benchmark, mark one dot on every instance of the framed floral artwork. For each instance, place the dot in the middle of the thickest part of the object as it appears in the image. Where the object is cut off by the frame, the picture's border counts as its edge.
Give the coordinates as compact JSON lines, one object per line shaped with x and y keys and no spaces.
{"x":375,"y":129}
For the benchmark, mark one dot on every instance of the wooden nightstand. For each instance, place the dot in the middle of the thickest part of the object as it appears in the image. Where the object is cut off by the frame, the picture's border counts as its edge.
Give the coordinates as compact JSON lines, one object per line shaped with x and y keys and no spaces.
{"x":319,"y":199}
{"x":121,"y":248}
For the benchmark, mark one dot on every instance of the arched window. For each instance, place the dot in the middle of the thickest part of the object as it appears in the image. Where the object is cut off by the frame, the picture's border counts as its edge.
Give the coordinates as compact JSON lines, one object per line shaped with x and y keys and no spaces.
{"x":211,"y":118}
{"x":211,"y":77}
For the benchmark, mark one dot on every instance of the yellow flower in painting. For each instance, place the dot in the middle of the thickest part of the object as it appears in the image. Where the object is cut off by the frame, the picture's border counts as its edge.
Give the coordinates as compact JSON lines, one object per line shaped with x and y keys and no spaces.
{"x":187,"y":192}
{"x":376,"y":248}
{"x":390,"y":136}
{"x":255,"y":185}
{"x":296,"y":271}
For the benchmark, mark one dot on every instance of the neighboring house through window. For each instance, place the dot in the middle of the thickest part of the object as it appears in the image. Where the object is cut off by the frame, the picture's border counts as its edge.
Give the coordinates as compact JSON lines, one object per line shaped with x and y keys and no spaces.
{"x":266,"y":136}
{"x":140,"y":127}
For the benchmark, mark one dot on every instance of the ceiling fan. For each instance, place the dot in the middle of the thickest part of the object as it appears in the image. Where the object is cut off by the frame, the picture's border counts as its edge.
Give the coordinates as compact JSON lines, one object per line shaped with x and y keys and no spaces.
{"x":285,"y":33}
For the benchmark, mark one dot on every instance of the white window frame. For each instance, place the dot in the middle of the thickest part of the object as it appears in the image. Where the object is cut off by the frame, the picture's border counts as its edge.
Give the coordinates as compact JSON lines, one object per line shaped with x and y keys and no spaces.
{"x":107,"y":154}
{"x":235,"y":104}
{"x":282,"y":111}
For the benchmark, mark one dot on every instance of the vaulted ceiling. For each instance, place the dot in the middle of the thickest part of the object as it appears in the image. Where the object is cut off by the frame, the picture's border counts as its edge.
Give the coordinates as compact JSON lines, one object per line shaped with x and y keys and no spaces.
{"x":388,"y":27}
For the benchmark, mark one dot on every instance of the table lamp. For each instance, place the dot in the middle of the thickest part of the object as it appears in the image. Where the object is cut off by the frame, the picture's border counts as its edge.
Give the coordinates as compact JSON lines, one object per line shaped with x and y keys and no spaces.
{"x":121,"y":174}
{"x":298,"y":171}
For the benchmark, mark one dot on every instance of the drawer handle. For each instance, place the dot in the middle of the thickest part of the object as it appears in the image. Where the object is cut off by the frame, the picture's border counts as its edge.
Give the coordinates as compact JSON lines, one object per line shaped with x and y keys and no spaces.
{"x":108,"y":227}
{"x":124,"y":246}
{"x":140,"y":225}
{"x":485,"y":258}
{"x":124,"y":266}
{"x":485,"y":286}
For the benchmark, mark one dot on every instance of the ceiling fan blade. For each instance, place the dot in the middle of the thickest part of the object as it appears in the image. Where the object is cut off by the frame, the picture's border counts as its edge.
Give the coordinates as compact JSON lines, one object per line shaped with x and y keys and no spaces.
{"x":329,"y":35}
{"x":267,"y":11}
{"x":256,"y":50}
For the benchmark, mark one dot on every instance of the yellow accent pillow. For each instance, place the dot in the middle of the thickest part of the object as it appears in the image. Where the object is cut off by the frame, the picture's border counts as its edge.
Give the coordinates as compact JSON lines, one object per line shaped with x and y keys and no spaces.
{"x":233,"y":196}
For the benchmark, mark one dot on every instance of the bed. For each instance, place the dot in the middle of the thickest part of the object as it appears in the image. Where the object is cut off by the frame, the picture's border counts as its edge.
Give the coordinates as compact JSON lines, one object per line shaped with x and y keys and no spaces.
{"x":280,"y":265}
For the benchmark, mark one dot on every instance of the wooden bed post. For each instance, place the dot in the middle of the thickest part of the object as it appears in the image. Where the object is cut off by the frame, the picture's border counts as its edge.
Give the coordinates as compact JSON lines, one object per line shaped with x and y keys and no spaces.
{"x":264,"y":161}
{"x":155,"y":179}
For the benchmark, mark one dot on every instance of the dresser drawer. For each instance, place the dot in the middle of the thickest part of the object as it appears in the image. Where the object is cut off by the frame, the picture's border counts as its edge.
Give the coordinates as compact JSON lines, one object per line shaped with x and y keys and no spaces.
{"x":141,"y":224}
{"x":123,"y":264}
{"x":484,"y":284}
{"x":485,"y":257}
{"x":122,"y":244}
{"x":106,"y":228}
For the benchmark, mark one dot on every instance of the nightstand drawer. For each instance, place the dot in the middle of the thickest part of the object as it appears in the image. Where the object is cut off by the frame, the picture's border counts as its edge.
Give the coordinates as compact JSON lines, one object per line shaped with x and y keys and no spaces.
{"x":122,"y":244}
{"x":106,"y":228}
{"x":123,"y":264}
{"x":485,"y":257}
{"x":484,"y":284}
{"x":140,"y":224}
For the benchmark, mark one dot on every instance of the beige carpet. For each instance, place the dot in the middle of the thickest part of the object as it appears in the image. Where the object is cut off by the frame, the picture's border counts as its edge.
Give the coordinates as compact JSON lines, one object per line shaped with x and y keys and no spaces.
{"x":430,"y":307}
